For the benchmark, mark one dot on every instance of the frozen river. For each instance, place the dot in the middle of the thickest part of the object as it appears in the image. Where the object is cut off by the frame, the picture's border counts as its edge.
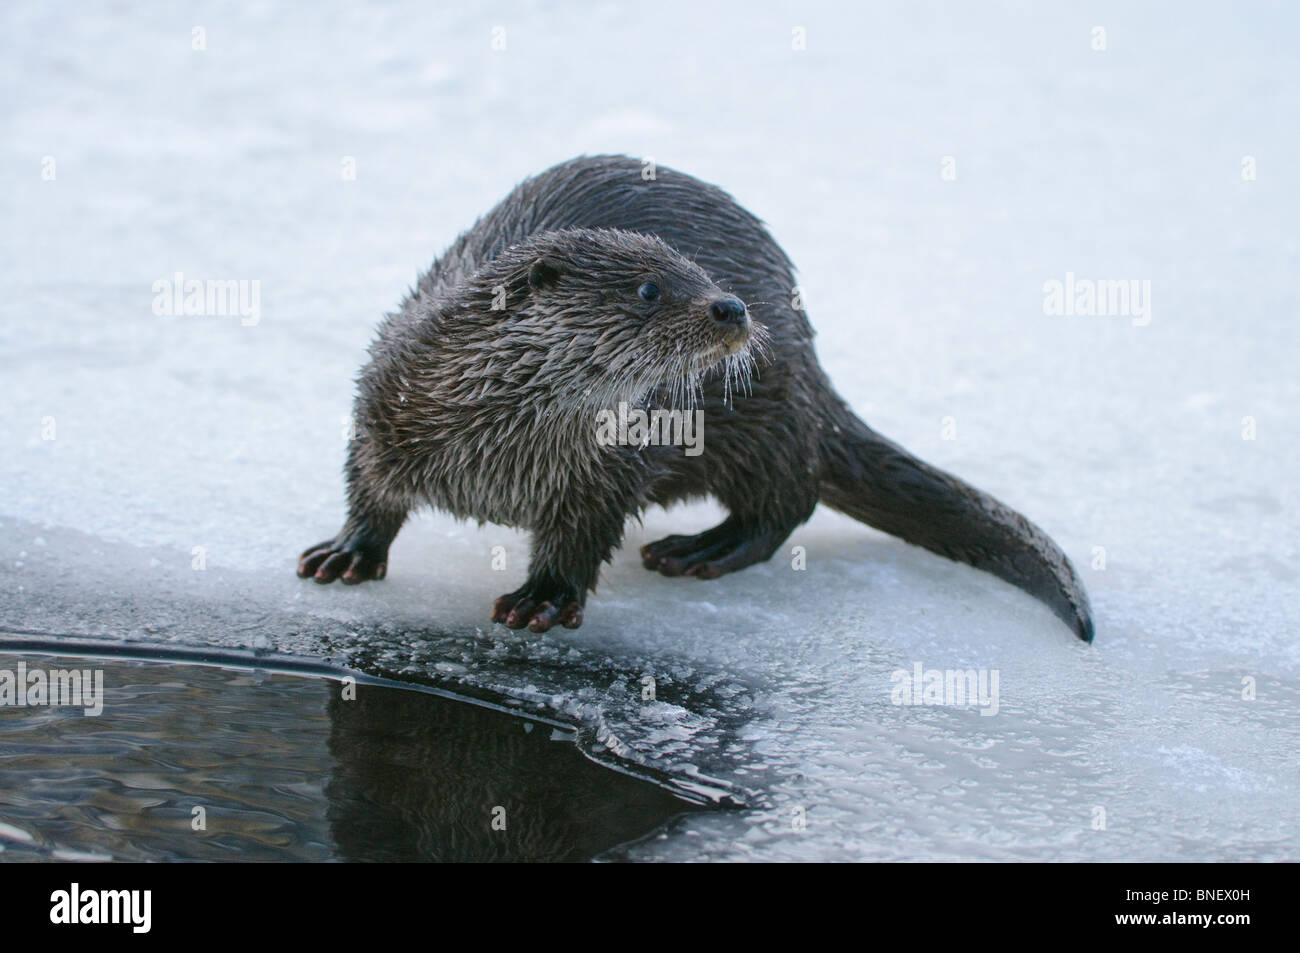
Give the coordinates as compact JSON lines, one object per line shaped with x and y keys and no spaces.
{"x":930,"y":169}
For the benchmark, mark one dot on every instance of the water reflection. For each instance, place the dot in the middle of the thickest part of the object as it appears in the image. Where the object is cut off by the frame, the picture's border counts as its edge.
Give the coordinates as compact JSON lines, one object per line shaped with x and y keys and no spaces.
{"x":420,"y":778}
{"x":201,"y":763}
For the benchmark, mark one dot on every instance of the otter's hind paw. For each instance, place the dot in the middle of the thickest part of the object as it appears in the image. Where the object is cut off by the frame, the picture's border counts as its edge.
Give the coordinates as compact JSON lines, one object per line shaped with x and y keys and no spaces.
{"x":707,"y":555}
{"x":330,"y":560}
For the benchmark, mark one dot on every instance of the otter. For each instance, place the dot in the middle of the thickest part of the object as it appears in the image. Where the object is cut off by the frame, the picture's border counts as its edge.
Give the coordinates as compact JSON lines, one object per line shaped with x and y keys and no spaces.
{"x":591,"y":285}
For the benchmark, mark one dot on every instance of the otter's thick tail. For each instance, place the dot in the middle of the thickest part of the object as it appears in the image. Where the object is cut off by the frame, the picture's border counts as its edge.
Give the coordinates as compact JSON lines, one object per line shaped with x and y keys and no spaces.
{"x":876,"y":481}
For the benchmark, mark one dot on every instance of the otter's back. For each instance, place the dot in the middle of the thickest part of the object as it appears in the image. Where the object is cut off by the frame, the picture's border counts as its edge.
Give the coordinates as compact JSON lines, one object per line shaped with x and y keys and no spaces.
{"x":700,"y":221}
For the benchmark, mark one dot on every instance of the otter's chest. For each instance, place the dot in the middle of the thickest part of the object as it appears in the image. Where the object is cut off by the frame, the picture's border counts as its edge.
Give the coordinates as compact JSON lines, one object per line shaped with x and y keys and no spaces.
{"x":507,"y":465}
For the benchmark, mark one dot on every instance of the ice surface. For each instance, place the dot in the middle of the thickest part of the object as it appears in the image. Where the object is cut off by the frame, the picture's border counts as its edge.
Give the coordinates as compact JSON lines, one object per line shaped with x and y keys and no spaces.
{"x":172,"y":433}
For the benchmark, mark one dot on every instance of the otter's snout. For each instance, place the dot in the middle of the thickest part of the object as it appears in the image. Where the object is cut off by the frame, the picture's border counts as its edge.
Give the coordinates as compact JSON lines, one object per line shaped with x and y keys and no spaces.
{"x":729,"y":311}
{"x":732,"y":322}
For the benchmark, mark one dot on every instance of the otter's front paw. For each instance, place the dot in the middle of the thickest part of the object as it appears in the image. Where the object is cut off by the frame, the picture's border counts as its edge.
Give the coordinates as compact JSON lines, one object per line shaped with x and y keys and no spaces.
{"x":537,"y":609}
{"x":332,"y":560}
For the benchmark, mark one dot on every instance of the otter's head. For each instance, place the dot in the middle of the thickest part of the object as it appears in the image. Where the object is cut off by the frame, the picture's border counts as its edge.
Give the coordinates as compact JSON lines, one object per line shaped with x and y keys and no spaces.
{"x":645,"y":315}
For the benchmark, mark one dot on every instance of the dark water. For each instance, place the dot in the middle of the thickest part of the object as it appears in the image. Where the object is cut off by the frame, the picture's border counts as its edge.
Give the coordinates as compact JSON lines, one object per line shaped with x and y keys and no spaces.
{"x":285,"y":768}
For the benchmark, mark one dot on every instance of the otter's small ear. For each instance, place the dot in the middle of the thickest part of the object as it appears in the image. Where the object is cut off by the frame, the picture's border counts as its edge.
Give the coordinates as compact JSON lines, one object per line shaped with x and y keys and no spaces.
{"x":544,"y":271}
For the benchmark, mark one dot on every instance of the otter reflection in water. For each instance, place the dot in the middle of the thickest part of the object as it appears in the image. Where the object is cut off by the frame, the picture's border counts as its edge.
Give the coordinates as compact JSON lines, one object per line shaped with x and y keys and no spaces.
{"x":421,"y":778}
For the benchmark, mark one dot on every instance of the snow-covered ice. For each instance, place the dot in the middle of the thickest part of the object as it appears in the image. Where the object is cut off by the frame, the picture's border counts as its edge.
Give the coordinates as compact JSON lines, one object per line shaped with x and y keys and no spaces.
{"x":184,"y":441}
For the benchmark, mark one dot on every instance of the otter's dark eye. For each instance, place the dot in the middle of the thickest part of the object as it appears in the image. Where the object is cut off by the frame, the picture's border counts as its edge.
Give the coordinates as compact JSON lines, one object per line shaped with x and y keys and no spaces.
{"x":648,"y":291}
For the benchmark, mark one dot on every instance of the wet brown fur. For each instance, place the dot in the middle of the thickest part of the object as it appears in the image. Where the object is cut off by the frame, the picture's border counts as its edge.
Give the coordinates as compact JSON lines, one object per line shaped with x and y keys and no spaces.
{"x":481,"y":394}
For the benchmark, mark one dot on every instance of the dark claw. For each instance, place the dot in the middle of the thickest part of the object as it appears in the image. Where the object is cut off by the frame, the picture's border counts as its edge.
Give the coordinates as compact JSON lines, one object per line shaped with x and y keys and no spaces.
{"x":521,"y":608}
{"x":328,"y":561}
{"x":310,"y":560}
{"x":501,"y":608}
{"x":521,"y":613}
{"x":545,"y":617}
{"x":332,"y":567}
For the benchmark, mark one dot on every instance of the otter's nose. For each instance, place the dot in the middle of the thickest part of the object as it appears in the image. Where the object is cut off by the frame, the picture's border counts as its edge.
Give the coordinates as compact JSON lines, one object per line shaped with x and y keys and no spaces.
{"x":728,"y":310}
